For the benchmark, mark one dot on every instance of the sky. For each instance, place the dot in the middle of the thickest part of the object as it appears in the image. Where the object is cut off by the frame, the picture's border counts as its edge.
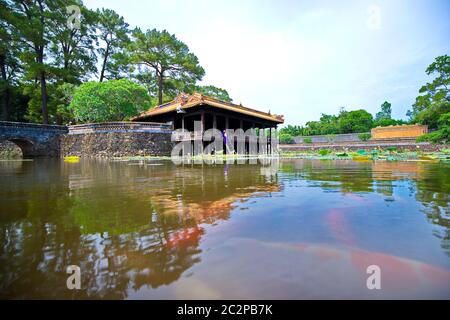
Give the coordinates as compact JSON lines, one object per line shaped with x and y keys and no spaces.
{"x":304,"y":58}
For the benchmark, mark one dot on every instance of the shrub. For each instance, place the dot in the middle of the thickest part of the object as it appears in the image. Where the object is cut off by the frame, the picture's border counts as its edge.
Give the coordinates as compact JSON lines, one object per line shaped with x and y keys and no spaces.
{"x":286,"y":138}
{"x":113,"y":100}
{"x":307,"y":140}
{"x":391,"y":149}
{"x":364,"y":136}
{"x":439,"y":136}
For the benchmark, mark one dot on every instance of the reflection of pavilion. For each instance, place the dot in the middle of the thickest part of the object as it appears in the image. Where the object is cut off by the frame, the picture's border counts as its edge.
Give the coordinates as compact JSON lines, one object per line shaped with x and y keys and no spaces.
{"x":126,"y":226}
{"x":208,"y":211}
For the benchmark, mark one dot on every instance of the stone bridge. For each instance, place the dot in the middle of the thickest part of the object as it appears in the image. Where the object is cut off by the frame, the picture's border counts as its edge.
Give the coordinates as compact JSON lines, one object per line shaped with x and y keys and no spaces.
{"x":108,"y":139}
{"x":35,"y":140}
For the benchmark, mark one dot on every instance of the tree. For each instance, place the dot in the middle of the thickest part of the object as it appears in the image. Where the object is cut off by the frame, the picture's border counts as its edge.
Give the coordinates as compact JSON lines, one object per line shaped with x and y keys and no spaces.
{"x":72,"y":49}
{"x":432,"y":106}
{"x":214,"y":92}
{"x":9,"y":66}
{"x":286,"y":138}
{"x":113,"y":32}
{"x":434,"y":100}
{"x":356,"y":121}
{"x":30,"y":20}
{"x":112,"y":100}
{"x":293,"y":131}
{"x":385,"y":112}
{"x":166,"y":57}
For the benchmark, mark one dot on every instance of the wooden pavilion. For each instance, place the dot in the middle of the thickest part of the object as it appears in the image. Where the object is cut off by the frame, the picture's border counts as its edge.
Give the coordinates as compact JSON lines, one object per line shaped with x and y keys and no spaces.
{"x":212,"y":113}
{"x":185,"y":109}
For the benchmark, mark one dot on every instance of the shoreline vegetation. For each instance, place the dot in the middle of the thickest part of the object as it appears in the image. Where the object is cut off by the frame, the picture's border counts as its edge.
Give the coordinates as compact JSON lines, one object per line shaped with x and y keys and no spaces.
{"x":388,"y":154}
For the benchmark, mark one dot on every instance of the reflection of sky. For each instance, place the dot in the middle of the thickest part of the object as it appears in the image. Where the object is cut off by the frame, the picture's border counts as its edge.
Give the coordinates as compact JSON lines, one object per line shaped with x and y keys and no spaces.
{"x":191,"y":232}
{"x":305,"y":214}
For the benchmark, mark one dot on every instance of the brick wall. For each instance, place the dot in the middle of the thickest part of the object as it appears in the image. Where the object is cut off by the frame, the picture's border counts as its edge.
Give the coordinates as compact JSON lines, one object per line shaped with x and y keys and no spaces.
{"x":406,"y":131}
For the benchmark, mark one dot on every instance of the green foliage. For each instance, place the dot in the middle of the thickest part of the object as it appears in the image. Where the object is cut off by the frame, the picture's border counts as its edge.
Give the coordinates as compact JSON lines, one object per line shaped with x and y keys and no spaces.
{"x":113,"y":100}
{"x":361,"y":152}
{"x":114,"y":35}
{"x":324,"y":152}
{"x":214,"y":92}
{"x":343,"y":154}
{"x":391,"y":149}
{"x":432,"y":107}
{"x":345,"y":122}
{"x":72,"y":50}
{"x":63,"y":97}
{"x":364,"y":136}
{"x":285,"y":138}
{"x":307,"y":140}
{"x":166,"y":58}
{"x":385,"y":113}
{"x":328,"y":124}
{"x":292,"y":130}
{"x":355,"y":121}
{"x":442,"y":135}
{"x":388,"y":122}
{"x":40,"y":55}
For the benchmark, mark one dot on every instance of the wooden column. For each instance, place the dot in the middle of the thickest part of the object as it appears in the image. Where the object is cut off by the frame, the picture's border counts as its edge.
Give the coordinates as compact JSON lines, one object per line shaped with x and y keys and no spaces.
{"x":227,"y":123}
{"x":202,"y":120}
{"x":182,"y":122}
{"x":214,"y":121}
{"x":270,"y":141}
{"x":241,"y":124}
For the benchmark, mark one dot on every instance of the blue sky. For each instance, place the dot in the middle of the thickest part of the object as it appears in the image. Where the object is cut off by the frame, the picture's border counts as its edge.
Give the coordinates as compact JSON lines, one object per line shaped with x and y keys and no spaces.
{"x":304,"y":58}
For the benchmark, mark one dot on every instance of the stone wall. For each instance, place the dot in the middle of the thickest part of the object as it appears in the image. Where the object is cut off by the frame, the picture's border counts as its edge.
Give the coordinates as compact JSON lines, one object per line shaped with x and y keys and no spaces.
{"x":116,"y":144}
{"x":9,"y":150}
{"x":404,"y":146}
{"x":344,"y":137}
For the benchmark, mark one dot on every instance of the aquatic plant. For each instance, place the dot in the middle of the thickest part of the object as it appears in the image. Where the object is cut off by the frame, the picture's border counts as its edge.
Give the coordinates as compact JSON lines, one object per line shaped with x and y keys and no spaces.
{"x":343,"y":154}
{"x":324,"y":152}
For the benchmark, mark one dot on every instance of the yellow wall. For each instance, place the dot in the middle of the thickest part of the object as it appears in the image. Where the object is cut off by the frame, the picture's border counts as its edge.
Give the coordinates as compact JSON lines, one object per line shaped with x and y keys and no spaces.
{"x":409,"y":131}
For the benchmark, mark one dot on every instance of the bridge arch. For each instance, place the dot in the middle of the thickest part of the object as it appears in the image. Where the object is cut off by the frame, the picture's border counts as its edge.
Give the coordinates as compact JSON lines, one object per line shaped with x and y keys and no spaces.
{"x":25,"y":145}
{"x":35,"y":140}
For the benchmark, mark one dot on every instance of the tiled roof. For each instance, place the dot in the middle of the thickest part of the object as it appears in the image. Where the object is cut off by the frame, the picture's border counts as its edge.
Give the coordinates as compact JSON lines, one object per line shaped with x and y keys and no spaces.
{"x":185,"y":101}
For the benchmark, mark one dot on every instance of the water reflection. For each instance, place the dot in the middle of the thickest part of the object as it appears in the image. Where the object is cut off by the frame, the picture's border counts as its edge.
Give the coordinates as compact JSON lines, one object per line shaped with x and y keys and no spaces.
{"x":143,"y":229}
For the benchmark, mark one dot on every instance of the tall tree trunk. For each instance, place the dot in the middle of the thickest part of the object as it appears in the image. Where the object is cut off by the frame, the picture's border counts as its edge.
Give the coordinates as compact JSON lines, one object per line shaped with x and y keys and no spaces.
{"x":102,"y":74}
{"x":6,"y":104}
{"x":6,"y":94}
{"x":44,"y":97}
{"x":160,"y":88}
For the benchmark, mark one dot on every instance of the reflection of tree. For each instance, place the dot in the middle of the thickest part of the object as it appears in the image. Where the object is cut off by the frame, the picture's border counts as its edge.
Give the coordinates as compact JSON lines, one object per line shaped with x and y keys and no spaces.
{"x":347,"y":177}
{"x":432,"y":183}
{"x":433,"y":191}
{"x":126,"y":226}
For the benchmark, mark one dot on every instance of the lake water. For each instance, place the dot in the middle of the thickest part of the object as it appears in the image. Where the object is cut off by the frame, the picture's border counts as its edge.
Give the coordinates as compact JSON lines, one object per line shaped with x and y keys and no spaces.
{"x":294,"y":229}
